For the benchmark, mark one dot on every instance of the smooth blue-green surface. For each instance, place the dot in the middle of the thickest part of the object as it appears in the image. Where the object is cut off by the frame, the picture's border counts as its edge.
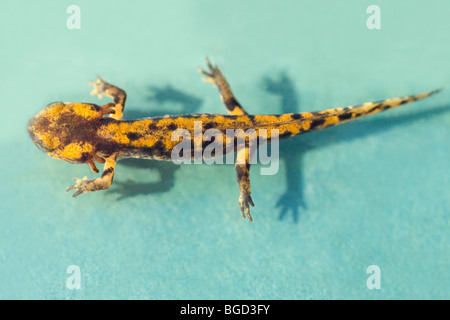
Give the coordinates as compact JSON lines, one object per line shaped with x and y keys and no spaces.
{"x":371,"y":192}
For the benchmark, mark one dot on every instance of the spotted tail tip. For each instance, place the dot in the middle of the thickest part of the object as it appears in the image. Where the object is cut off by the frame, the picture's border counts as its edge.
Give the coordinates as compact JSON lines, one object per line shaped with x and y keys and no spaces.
{"x":424,"y":95}
{"x":435,"y":91}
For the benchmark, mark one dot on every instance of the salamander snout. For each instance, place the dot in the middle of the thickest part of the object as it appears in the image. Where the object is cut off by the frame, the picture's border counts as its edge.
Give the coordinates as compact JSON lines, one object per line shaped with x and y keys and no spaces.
{"x":41,"y":127}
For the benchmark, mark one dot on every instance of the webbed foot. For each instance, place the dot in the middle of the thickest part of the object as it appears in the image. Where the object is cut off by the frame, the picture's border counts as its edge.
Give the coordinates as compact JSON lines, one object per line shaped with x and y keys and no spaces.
{"x":214,"y":74}
{"x":99,"y":87}
{"x":81,"y":185}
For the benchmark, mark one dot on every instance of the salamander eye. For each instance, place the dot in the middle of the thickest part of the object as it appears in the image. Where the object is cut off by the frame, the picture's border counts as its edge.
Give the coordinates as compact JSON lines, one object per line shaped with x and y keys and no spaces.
{"x":54,"y":107}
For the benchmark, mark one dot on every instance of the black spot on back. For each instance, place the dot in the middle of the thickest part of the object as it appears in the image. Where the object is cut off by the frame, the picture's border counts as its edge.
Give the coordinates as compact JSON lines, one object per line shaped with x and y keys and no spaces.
{"x":158,"y":147}
{"x":209,"y":125}
{"x":172,"y":126}
{"x":133,"y":136}
{"x":345,"y":116}
{"x":317,"y":123}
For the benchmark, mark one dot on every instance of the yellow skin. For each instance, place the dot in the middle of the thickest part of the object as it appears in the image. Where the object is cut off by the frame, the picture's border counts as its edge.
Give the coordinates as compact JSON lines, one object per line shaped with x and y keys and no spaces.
{"x":88,"y":133}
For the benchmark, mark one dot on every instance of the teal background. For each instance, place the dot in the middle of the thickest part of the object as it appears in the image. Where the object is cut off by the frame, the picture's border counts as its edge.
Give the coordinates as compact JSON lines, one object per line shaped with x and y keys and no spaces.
{"x":371,"y":192}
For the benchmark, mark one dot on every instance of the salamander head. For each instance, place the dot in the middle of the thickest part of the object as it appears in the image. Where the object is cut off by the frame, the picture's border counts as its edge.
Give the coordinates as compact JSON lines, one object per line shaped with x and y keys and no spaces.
{"x":64,"y":131}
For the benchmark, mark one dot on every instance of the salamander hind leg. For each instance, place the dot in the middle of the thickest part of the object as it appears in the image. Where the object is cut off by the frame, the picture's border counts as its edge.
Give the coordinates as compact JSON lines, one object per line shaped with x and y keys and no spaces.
{"x":104,"y":182}
{"x":215,"y":76}
{"x":243,"y":178}
{"x":103,"y":88}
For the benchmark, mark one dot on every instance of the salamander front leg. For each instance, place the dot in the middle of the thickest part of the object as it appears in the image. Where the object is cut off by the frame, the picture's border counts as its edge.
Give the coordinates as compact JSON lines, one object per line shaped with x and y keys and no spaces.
{"x":104,"y":182}
{"x":103,"y":88}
